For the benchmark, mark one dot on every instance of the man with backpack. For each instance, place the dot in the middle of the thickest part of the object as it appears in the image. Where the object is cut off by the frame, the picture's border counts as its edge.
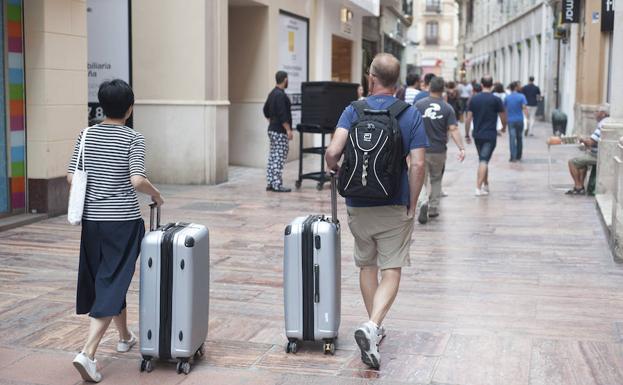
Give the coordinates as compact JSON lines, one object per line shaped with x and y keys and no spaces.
{"x":383,"y":141}
{"x":439,"y":121}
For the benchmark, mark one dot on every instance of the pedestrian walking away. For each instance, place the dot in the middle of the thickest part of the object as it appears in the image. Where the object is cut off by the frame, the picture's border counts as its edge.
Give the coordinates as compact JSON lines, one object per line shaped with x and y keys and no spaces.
{"x":413,"y":82}
{"x":112,"y":228}
{"x":484,"y":108}
{"x":533,"y":96}
{"x":382,"y":228}
{"x":465,"y":93}
{"x":424,"y":92}
{"x":277,"y":109}
{"x":516,"y":110}
{"x":439,"y":121}
{"x":578,"y":166}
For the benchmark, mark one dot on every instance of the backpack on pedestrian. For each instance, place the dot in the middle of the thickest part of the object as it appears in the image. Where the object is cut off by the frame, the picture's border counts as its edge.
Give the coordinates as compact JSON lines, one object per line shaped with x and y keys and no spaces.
{"x":374,"y":157}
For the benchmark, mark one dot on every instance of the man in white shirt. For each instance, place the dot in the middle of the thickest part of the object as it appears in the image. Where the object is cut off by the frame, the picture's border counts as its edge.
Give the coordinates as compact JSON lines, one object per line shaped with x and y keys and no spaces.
{"x":413,"y":82}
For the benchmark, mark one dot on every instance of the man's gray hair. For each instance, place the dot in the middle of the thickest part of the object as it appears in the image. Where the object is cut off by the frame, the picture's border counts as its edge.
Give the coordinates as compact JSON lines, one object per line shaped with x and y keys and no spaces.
{"x":604,"y":108}
{"x":386,"y":68}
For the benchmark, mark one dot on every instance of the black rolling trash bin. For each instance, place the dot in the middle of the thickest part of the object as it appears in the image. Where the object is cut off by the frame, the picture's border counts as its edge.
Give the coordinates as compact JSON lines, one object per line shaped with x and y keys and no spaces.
{"x":321,"y":107}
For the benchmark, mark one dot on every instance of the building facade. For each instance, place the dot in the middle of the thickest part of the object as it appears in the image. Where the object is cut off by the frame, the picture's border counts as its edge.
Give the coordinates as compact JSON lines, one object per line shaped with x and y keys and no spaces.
{"x":435,"y":32}
{"x":200,"y":73}
{"x":510,"y":40}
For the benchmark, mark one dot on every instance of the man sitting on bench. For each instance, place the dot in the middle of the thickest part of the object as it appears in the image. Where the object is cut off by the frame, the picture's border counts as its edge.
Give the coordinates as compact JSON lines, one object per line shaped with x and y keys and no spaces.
{"x":578,"y":166}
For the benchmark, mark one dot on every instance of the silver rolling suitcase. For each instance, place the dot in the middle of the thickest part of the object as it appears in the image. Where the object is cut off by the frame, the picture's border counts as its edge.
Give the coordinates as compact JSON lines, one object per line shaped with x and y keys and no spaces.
{"x":174,"y":293}
{"x":312,"y":279}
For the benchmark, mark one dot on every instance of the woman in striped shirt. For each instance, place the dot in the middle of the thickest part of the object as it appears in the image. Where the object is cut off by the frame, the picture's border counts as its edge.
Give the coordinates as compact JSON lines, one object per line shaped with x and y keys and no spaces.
{"x":112,"y":227}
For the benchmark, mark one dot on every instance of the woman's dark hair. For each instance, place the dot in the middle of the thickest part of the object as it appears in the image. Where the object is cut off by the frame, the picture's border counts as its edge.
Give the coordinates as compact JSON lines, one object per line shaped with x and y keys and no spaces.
{"x":116,"y":97}
{"x":498,"y":88}
{"x":477,"y":87}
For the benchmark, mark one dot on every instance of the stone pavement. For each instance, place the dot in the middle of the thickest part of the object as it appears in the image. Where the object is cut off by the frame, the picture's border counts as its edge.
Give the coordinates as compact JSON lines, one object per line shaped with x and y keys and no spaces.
{"x":518,"y":288}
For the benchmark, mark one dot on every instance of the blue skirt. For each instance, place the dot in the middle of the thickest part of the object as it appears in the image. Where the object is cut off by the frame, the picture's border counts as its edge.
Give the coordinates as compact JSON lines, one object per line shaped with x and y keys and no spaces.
{"x":108,"y":254}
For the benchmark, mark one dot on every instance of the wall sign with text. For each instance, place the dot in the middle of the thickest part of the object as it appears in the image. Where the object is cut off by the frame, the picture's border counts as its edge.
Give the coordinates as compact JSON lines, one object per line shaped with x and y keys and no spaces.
{"x":294,"y":57}
{"x":607,"y":15}
{"x":108,"y":25}
{"x":571,"y":11}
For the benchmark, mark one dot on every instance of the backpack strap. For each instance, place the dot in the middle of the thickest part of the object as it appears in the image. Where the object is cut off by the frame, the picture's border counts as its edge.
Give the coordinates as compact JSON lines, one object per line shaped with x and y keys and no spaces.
{"x":359,"y":106}
{"x":398,"y":108}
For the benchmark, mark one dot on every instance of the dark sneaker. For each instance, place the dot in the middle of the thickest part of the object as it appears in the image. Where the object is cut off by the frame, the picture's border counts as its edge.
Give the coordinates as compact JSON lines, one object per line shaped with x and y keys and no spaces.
{"x":367,"y":337}
{"x":282,"y":189}
{"x":269,"y":188}
{"x":433,"y":213}
{"x":423,"y":216}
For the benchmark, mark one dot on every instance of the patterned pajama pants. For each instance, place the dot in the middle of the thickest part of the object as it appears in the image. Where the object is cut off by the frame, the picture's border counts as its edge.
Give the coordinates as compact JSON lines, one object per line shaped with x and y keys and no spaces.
{"x":279,"y":146}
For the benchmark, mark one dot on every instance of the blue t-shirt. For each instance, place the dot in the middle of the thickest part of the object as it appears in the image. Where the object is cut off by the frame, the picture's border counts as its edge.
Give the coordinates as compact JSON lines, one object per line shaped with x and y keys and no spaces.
{"x":413,"y":136}
{"x":532,"y":92}
{"x":514,"y":107}
{"x":485,"y":108}
{"x":420,"y":96}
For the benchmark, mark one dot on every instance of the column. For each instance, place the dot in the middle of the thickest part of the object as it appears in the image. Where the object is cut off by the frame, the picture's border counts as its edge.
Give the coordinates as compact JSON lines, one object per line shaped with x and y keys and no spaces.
{"x":180,"y":56}
{"x":610,"y":173}
{"x":56,"y":96}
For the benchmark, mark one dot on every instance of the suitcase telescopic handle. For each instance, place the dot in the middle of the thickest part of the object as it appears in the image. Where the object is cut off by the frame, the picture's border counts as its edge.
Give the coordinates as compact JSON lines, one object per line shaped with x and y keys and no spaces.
{"x":333,"y":196}
{"x":154,"y":207}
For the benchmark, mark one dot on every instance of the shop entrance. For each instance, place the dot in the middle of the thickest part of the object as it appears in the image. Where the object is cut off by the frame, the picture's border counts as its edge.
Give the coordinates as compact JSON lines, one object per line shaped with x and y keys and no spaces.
{"x":341,"y":59}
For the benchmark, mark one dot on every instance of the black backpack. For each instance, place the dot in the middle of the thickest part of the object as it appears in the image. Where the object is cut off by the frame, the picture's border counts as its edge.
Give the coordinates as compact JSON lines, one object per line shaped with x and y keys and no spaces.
{"x":374,"y":157}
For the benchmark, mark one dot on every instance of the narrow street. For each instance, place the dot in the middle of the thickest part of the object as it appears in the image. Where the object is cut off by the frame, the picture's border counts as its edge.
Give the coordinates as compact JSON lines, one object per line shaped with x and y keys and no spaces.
{"x":518,"y":288}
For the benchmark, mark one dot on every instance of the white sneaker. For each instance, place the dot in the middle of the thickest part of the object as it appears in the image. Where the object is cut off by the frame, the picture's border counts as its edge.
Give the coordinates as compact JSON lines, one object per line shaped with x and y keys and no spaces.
{"x":367,"y":338}
{"x":485,"y":188}
{"x":87,"y":368}
{"x":125,"y":346}
{"x":444,"y":193}
{"x":481,"y":193}
{"x":381,"y":333}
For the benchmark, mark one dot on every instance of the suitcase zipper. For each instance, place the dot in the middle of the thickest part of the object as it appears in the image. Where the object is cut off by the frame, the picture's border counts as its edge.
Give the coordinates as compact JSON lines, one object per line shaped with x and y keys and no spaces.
{"x":308,"y":277}
{"x":166,"y":290}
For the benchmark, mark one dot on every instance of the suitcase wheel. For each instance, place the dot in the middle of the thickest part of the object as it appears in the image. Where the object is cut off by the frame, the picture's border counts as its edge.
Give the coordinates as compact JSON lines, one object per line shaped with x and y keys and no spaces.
{"x":183,"y":367}
{"x":292,"y":347}
{"x":319,"y":186}
{"x":147,"y":365}
{"x":200,"y":352}
{"x":329,"y":348}
{"x":297,"y":184}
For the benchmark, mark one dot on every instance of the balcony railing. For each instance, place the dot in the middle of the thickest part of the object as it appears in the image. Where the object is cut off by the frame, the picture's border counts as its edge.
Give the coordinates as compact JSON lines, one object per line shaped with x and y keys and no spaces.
{"x":433,"y":8}
{"x":432,"y":40}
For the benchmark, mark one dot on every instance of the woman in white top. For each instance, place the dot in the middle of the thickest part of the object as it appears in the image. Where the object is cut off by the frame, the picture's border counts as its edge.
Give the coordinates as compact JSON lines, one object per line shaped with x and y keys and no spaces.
{"x":112,"y":227}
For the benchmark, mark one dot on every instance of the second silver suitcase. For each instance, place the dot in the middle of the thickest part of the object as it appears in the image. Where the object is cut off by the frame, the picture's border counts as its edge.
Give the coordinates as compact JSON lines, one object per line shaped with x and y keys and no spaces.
{"x":174,"y":293}
{"x":312,"y":279}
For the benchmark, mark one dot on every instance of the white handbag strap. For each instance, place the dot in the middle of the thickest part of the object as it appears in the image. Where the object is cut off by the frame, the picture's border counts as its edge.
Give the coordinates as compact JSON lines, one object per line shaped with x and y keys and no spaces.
{"x":81,"y":149}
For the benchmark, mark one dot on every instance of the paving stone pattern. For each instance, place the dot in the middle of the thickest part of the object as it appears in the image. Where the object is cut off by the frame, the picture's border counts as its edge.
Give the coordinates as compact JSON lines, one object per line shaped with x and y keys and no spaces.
{"x":518,"y":288}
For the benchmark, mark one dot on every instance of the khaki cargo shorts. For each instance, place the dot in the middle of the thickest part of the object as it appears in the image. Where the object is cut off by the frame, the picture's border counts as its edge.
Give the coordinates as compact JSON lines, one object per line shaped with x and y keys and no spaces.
{"x":585,"y":160}
{"x":382,"y":236}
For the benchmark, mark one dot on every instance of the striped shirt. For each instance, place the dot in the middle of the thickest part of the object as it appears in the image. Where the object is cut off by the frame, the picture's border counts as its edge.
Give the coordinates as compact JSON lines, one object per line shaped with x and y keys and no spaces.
{"x":112,"y":155}
{"x":596,"y":136}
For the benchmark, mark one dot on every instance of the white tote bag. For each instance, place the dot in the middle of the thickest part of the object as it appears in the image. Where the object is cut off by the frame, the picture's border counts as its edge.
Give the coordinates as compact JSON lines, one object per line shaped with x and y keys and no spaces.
{"x":78,"y":190}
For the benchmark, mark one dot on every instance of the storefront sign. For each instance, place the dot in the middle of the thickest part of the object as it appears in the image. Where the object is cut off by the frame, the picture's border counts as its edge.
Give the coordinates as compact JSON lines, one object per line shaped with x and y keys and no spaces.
{"x":294,"y":57}
{"x":607,"y":15}
{"x":571,"y":11}
{"x":108,"y":24}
